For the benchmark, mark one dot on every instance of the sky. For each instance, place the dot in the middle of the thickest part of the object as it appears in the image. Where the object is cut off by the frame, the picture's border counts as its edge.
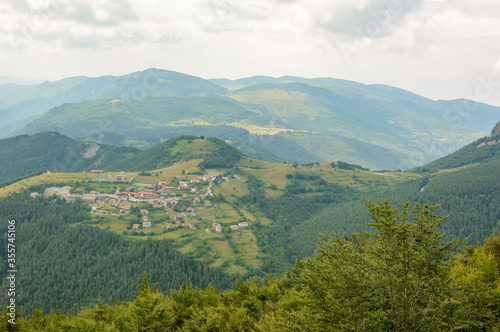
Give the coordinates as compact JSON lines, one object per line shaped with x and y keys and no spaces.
{"x":441,"y":49}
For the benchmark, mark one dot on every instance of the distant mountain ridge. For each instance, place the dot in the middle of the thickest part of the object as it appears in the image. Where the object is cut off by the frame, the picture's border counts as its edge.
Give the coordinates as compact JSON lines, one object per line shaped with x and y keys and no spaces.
{"x":279,"y":119}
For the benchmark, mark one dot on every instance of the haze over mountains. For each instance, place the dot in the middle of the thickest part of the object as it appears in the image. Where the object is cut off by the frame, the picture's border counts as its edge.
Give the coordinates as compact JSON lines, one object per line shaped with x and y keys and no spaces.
{"x":275,"y":119}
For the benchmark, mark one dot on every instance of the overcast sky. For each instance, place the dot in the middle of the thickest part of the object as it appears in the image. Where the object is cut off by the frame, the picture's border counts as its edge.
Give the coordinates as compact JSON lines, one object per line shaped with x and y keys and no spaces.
{"x":442,"y":49}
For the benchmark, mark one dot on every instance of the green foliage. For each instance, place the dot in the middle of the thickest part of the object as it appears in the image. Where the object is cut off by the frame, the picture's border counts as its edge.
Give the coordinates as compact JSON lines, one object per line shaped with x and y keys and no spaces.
{"x":396,"y":279}
{"x":347,"y":166}
{"x":223,"y":156}
{"x":403,"y":277}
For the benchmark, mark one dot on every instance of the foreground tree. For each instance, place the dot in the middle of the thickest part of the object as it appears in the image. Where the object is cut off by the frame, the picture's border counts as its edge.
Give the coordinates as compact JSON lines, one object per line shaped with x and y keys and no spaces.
{"x":395,"y":279}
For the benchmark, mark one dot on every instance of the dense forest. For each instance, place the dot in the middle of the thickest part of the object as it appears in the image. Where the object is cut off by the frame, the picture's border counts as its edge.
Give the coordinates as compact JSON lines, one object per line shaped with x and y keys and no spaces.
{"x":401,"y":276}
{"x":470,"y":197}
{"x":66,"y":264}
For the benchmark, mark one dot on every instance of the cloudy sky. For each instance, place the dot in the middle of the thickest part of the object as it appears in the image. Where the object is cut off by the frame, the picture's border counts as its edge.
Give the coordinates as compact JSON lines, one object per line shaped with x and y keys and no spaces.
{"x":442,"y":49}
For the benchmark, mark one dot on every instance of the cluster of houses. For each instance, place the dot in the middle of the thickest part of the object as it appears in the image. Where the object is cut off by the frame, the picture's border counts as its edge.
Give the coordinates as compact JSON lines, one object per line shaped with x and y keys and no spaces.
{"x":145,"y":220}
{"x":218,"y":228}
{"x":91,"y":198}
{"x":159,"y":196}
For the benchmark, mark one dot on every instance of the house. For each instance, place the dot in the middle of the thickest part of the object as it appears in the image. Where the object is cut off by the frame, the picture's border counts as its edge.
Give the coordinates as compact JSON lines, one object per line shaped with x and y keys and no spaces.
{"x":208,"y":230}
{"x":146,"y":224}
{"x":144,"y":218}
{"x":162,"y":184}
{"x":234,"y":227}
{"x":218,"y":229}
{"x":183,"y":183}
{"x":87,"y":199}
{"x":205,"y":177}
{"x":196,"y":200}
{"x":195,"y":181}
{"x":195,"y":190}
{"x":190,"y":210}
{"x":215,"y":225}
{"x":203,"y":196}
{"x":144,"y":212}
{"x":120,"y":177}
{"x":135,"y":226}
{"x":215,"y":207}
{"x":174,"y":202}
{"x":169,"y":188}
{"x":184,"y":187}
{"x":243,"y":224}
{"x":184,"y":196}
{"x":179,"y":217}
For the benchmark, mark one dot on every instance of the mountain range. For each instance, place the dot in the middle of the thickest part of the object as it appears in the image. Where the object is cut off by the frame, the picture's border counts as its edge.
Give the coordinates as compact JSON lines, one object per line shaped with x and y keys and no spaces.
{"x":276,"y":119}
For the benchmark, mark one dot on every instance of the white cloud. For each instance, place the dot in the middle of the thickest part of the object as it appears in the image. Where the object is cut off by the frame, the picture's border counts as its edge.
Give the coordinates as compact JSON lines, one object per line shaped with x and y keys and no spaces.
{"x":433,"y":47}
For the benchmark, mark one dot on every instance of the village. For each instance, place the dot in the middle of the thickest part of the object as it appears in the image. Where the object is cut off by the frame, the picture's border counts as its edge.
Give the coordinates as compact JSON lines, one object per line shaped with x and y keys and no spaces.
{"x":163,"y":205}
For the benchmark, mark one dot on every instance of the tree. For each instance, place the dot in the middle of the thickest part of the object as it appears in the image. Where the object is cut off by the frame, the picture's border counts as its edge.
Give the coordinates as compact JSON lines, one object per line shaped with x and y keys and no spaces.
{"x":395,"y":279}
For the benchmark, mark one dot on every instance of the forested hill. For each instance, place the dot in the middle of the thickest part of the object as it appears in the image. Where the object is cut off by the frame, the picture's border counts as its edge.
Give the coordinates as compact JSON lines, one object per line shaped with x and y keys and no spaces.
{"x":23,"y":155}
{"x":469,"y":196}
{"x":215,"y":154}
{"x":483,"y":150}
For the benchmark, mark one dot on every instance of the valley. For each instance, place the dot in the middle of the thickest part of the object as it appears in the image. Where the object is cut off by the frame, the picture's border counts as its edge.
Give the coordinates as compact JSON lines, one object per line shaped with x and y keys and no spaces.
{"x":184,"y":201}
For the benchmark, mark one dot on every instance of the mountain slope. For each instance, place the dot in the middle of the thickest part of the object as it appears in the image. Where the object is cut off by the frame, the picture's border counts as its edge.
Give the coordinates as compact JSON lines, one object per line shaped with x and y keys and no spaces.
{"x":483,"y":150}
{"x":22,"y":155}
{"x":215,"y":153}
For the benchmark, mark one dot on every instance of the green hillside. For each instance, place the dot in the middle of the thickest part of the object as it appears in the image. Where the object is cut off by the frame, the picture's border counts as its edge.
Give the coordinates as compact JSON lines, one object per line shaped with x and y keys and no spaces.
{"x":481,"y":151}
{"x":465,"y":183}
{"x":23,"y":155}
{"x":214,"y":152}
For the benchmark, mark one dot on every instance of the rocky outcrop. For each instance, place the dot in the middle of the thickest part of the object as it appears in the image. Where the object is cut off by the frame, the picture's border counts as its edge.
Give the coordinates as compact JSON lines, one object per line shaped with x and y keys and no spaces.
{"x":496,"y":130}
